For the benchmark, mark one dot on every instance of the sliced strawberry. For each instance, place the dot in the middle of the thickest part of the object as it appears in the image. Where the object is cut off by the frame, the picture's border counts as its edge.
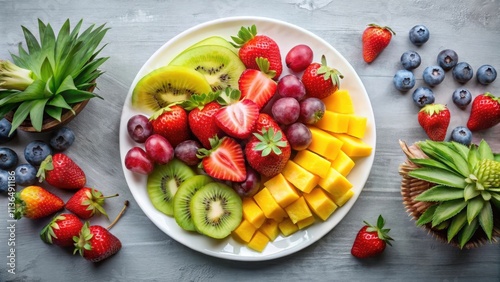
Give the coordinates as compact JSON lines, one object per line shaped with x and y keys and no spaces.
{"x":225,"y":160}
{"x":237,"y":118}
{"x":258,"y":85}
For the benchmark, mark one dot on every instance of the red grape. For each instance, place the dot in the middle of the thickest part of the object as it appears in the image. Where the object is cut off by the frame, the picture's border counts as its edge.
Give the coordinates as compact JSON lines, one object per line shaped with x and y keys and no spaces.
{"x":299,"y":136}
{"x":186,"y":151}
{"x":139,"y":128}
{"x":291,"y":86}
{"x":138,"y":161}
{"x":311,"y":110}
{"x":299,"y":57}
{"x":286,"y":110}
{"x":159,"y":149}
{"x":250,"y":186}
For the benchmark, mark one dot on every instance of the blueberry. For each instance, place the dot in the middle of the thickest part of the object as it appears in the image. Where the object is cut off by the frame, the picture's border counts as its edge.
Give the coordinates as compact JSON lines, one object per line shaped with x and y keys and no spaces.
{"x":8,"y":158}
{"x":25,"y":174}
{"x":462,"y":135}
{"x":447,"y":59}
{"x":486,"y":74}
{"x":404,"y":80}
{"x":4,"y":181}
{"x":423,"y":96}
{"x":461,"y":98}
{"x":5,"y":127}
{"x":36,"y":151}
{"x":419,"y":34}
{"x":433,"y":75}
{"x":462,"y":72}
{"x":410,"y":60}
{"x":62,"y":139}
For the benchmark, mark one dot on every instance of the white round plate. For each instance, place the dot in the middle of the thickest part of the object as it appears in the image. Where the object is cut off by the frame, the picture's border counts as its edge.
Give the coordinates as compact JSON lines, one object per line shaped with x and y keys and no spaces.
{"x":287,"y":36}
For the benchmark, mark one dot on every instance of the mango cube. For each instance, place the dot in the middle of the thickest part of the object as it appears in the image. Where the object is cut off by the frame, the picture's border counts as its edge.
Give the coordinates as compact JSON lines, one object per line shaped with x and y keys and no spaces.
{"x":324,"y":144}
{"x":306,"y":222}
{"x":270,"y":229}
{"x":353,"y":147}
{"x":339,"y":102}
{"x":268,"y":205}
{"x":341,"y":200}
{"x":357,"y":126}
{"x":312,"y":162}
{"x":252,"y":212}
{"x":300,"y":177}
{"x":298,"y":210}
{"x":334,"y":122}
{"x":258,"y":242}
{"x":343,"y":164}
{"x":320,"y":203}
{"x":244,"y":231}
{"x":335,"y":183}
{"x":283,"y":191}
{"x":287,"y":227}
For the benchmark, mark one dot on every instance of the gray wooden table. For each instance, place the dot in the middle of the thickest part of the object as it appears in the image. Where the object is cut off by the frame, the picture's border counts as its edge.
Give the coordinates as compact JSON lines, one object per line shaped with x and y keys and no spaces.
{"x":138,"y":29}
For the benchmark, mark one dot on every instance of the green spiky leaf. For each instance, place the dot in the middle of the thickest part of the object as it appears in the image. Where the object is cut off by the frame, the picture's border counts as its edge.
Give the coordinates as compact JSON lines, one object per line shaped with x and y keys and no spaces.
{"x":486,"y":219}
{"x":440,"y":193}
{"x":438,"y":176}
{"x":427,"y":215}
{"x":447,"y":210}
{"x":456,"y":224}
{"x":467,"y":232}
{"x":474,"y":207}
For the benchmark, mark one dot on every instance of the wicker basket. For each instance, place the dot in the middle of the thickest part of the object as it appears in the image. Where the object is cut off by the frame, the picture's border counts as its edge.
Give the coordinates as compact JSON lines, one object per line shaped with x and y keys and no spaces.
{"x":412,"y":187}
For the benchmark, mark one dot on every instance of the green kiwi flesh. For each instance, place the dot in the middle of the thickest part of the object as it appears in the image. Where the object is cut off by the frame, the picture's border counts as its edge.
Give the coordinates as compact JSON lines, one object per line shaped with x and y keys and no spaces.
{"x":182,"y":200}
{"x":167,"y":85}
{"x":163,"y":183}
{"x":221,"y":67}
{"x":216,"y":210}
{"x":215,"y":40}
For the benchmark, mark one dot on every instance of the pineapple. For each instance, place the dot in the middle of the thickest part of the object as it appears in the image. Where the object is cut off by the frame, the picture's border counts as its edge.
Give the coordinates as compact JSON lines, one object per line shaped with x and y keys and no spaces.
{"x":465,"y":188}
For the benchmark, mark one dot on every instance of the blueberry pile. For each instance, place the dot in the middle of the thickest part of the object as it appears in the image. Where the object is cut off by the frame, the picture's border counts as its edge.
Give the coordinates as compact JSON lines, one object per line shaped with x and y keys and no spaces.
{"x":447,"y":60}
{"x":34,"y":153}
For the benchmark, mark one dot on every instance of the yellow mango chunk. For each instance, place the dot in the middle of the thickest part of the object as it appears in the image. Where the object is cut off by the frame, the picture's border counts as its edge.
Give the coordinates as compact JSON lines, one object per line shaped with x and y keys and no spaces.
{"x":268,"y":205}
{"x":335,"y":183}
{"x":312,"y":162}
{"x":353,"y":147}
{"x":334,"y":122}
{"x":306,"y":222}
{"x":283,"y":191}
{"x":341,"y":200}
{"x":357,"y":126}
{"x":298,"y":210}
{"x":244,"y":231}
{"x":320,"y":203}
{"x":258,"y":242}
{"x":343,"y":164}
{"x":270,"y":229}
{"x":339,"y":102}
{"x":252,"y":212}
{"x":287,"y":227}
{"x":324,"y":144}
{"x":300,"y":177}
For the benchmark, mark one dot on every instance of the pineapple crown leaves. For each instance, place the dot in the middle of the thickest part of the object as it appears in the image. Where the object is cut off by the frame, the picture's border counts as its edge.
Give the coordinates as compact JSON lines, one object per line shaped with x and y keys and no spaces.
{"x":382,"y":233}
{"x":382,"y":27}
{"x":199,"y":100}
{"x":264,"y":65}
{"x":245,"y":34}
{"x":228,"y":96}
{"x":62,"y":68}
{"x":47,"y":233}
{"x":329,"y":73}
{"x":14,"y":77}
{"x":82,"y":241}
{"x":270,"y":141}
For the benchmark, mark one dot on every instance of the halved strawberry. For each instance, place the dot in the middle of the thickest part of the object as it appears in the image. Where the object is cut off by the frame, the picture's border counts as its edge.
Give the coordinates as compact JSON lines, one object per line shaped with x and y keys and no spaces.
{"x":224,"y":160}
{"x":258,"y":85}
{"x":237,"y":117}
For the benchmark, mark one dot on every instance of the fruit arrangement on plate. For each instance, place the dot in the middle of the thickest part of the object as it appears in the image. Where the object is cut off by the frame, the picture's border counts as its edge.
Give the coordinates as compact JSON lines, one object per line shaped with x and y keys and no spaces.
{"x":235,"y":141}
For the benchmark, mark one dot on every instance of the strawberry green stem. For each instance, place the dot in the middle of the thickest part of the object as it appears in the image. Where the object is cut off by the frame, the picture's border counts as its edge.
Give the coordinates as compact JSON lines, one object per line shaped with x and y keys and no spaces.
{"x":125,"y":206}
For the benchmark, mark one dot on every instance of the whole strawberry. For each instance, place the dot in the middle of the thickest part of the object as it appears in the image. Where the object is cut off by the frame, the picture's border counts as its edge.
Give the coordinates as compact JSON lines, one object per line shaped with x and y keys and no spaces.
{"x":268,"y":151}
{"x":485,"y":112}
{"x":171,"y":122}
{"x":201,"y":118}
{"x":320,"y":80}
{"x":87,"y":202}
{"x":61,"y":230}
{"x":371,"y":240}
{"x":253,"y":46}
{"x":375,"y":39}
{"x":434,"y":119}
{"x":62,"y":172}
{"x":95,"y":243}
{"x":35,"y":202}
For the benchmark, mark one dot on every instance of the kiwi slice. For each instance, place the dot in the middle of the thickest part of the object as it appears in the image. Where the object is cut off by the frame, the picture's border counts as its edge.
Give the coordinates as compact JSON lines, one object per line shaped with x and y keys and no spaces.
{"x":182,"y":200}
{"x":166,"y":85}
{"x":216,"y":210}
{"x":215,"y":40}
{"x":163,"y":183}
{"x":221,"y":67}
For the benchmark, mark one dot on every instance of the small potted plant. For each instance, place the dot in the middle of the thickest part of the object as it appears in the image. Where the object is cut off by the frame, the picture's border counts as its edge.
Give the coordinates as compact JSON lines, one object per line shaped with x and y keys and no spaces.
{"x":52,"y":80}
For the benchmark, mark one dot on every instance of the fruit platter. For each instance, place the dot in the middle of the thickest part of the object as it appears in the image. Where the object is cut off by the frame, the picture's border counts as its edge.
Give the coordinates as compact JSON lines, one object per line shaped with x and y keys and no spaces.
{"x":177,"y":49}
